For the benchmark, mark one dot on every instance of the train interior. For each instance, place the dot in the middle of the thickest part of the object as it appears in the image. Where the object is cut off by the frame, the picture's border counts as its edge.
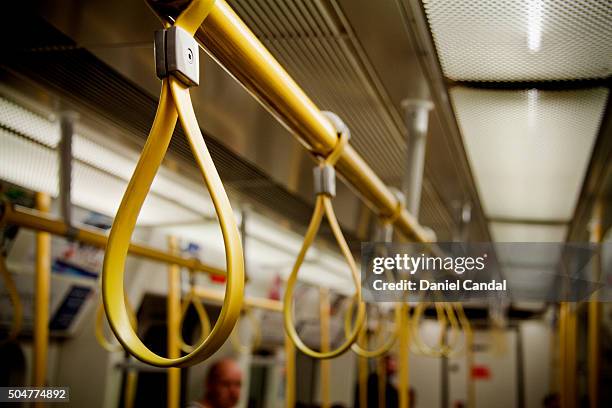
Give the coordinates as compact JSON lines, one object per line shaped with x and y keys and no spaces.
{"x":471,"y":122}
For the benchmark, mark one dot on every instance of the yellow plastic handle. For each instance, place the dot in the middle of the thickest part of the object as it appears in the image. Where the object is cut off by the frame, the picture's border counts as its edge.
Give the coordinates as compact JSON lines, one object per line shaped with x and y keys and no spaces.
{"x":11,"y":288}
{"x":444,"y":311}
{"x":193,"y":299}
{"x":106,"y":344}
{"x":256,"y":337}
{"x":466,"y":328}
{"x":175,"y":102}
{"x":323,"y":206}
{"x":386,"y":346}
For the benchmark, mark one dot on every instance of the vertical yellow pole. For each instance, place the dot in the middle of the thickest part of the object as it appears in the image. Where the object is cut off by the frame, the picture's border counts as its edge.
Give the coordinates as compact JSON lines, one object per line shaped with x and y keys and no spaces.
{"x":289,"y":373}
{"x":381,"y":366}
{"x":324,"y":309}
{"x":563,"y":354}
{"x":404,"y":363}
{"x":571,"y":353}
{"x":594,"y":323}
{"x":41,"y":298}
{"x":173,"y":307}
{"x":362,"y":367}
{"x":131,"y":382}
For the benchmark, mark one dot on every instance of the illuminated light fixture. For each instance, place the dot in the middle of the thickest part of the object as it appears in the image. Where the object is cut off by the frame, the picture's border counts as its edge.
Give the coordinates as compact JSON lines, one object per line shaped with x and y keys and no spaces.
{"x":534,"y":25}
{"x":526,"y":40}
{"x":521,"y":232}
{"x":529,"y":150}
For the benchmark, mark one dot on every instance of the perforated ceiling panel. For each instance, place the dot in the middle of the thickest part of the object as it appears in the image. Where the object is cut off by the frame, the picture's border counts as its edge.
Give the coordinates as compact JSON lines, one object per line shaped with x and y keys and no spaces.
{"x":529,"y":149}
{"x":522,"y":40}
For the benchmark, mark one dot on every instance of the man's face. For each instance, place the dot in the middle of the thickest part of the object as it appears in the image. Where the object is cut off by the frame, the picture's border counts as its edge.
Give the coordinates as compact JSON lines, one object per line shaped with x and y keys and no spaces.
{"x":225,"y":389}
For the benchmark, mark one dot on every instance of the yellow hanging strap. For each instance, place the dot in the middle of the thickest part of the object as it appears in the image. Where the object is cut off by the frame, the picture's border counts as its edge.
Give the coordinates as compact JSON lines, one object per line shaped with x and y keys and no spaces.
{"x":386,"y":346}
{"x":255,"y":341}
{"x":193,"y":299}
{"x":445,"y":315}
{"x":466,"y":328}
{"x":174,"y":103}
{"x":110,"y":345}
{"x":13,"y":294}
{"x":323,"y":206}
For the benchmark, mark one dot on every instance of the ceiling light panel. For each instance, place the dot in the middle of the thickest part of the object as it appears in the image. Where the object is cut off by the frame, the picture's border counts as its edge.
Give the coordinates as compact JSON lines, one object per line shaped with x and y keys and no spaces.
{"x":523,"y":40}
{"x":529,"y":150}
{"x":511,"y":232}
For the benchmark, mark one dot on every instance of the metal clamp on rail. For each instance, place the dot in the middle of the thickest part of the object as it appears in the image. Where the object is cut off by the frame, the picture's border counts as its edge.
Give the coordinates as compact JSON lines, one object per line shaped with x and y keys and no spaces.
{"x":325,"y":190}
{"x":174,"y":103}
{"x":177,"y":53}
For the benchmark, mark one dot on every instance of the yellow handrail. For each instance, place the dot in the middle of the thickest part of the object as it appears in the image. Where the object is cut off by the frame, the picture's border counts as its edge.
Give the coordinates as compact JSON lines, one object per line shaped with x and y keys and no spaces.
{"x":231,"y":43}
{"x":175,"y":103}
{"x":173,"y":327}
{"x":38,"y":221}
{"x":403,"y":387}
{"x":42,"y":286}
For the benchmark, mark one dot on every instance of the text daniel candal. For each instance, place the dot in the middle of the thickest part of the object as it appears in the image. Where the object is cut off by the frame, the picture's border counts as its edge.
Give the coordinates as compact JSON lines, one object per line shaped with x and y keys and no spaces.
{"x":447,"y":285}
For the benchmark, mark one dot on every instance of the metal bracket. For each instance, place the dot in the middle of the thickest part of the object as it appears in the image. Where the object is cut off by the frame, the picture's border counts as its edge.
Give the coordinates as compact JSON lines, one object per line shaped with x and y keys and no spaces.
{"x":177,"y":53}
{"x":324,"y":180}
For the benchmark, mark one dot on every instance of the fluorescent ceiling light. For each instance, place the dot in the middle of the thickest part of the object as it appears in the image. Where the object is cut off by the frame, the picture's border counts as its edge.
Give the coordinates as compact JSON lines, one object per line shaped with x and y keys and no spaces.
{"x":529,"y":150}
{"x":511,"y":232}
{"x":500,"y":40}
{"x":534,"y":25}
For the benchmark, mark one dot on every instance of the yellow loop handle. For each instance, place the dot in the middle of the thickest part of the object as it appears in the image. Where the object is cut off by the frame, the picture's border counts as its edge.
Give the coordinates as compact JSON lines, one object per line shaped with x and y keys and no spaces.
{"x":444,"y":312}
{"x":388,"y":345}
{"x":193,"y":299}
{"x":466,"y":328}
{"x":323,"y":206}
{"x":13,"y":293}
{"x":175,"y":102}
{"x":256,"y":336}
{"x":106,"y":344}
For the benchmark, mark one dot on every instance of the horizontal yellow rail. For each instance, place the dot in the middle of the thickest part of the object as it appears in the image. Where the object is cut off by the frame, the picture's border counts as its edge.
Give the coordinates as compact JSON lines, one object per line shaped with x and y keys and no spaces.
{"x":230,"y":42}
{"x":35,"y":220}
{"x":248,"y":302}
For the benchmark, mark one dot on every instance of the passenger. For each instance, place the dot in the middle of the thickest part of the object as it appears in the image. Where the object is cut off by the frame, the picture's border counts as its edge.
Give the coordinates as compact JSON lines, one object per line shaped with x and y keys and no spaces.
{"x":222,"y":385}
{"x":391,"y":394}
